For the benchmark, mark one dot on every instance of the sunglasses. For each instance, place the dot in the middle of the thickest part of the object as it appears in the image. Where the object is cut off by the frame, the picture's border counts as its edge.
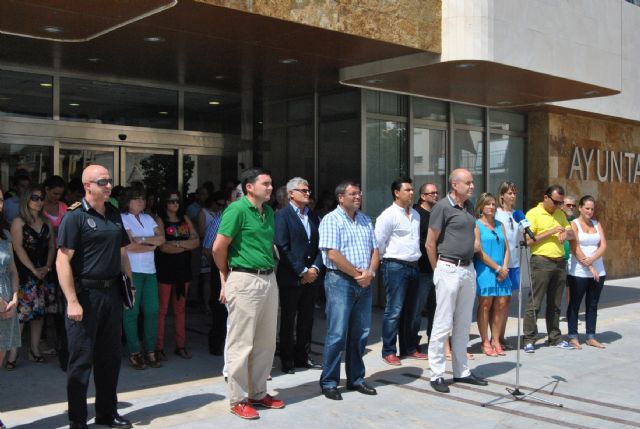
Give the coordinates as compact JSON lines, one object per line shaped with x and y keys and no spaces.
{"x":431,"y":193}
{"x":102,"y":182}
{"x":35,"y":198}
{"x":496,"y":235}
{"x":173,"y":201}
{"x":303,"y":191}
{"x":573,"y":206}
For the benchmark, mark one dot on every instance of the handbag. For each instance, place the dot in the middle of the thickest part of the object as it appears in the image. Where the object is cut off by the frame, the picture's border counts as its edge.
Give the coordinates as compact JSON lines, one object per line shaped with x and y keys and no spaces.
{"x":127,"y":291}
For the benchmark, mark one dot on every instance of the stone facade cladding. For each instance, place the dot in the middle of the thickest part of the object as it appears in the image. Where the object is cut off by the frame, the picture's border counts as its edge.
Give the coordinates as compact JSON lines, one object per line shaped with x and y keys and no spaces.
{"x":412,"y":23}
{"x":553,"y":138}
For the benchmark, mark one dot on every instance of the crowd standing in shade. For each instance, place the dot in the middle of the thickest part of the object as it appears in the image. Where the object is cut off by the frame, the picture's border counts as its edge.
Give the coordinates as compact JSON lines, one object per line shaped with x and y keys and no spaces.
{"x":434,"y":258}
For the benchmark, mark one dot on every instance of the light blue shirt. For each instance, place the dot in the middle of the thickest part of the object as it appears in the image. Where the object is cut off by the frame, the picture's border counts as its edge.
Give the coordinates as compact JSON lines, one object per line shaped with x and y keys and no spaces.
{"x":303,"y":215}
{"x":354,"y":239}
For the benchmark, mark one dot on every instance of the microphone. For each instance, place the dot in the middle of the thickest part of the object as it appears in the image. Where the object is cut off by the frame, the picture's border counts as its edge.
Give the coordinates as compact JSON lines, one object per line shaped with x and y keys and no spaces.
{"x":524,"y":223}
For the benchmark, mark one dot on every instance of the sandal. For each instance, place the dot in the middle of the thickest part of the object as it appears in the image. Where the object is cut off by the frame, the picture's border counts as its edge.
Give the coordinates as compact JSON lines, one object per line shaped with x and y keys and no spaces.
{"x":576,"y":344}
{"x":183,"y":353}
{"x":151,"y":360}
{"x":499,"y":350}
{"x":136,"y":361}
{"x":10,"y":365}
{"x":595,"y":343}
{"x":489,"y":351}
{"x":35,"y":358}
{"x":160,"y":355}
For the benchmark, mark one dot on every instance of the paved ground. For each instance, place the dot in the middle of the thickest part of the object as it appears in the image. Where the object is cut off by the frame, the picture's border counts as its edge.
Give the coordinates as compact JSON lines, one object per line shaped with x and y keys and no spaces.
{"x":597,"y":388}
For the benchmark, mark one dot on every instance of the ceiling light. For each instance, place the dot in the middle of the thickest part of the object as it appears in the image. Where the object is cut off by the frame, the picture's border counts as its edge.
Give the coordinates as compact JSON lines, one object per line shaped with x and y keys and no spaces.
{"x":46,"y":85}
{"x":52,"y":29}
{"x":374,"y":81}
{"x":289,"y":61}
{"x":503,"y":103}
{"x":465,"y":65}
{"x":94,"y":60}
{"x":73,"y":104}
{"x":163,"y":113}
{"x":592,"y":92}
{"x":154,"y":39}
{"x":214,"y":103}
{"x":220,"y":77}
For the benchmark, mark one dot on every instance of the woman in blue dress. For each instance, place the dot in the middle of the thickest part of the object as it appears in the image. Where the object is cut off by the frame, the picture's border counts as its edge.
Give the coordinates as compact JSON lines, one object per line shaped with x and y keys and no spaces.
{"x":492,"y":275}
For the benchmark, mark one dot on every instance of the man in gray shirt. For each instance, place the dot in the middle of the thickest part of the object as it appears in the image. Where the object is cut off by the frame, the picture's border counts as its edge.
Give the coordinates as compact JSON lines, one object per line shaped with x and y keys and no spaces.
{"x":450,"y":247}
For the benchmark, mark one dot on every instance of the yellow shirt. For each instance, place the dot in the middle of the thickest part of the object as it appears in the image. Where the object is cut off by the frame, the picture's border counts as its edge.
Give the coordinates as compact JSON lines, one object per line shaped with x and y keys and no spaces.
{"x":542,"y":221}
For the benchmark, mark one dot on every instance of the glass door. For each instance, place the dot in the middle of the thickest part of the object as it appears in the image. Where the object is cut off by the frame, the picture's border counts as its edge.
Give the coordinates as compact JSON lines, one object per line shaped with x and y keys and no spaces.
{"x":156,"y":168}
{"x":429,"y":155}
{"x":75,"y":157}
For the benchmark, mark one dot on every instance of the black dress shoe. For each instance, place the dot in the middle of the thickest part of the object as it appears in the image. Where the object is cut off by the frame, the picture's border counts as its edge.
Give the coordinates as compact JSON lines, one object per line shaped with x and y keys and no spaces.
{"x":116,"y":421}
{"x":332,"y":393}
{"x":471,"y":379}
{"x":309,"y":364}
{"x":440,"y":386}
{"x":288,"y":367}
{"x":74,"y":425}
{"x":363,"y":388}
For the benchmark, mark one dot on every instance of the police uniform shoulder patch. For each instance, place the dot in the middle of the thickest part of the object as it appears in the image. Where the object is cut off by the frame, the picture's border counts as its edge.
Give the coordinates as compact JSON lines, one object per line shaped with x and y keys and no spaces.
{"x":74,"y":206}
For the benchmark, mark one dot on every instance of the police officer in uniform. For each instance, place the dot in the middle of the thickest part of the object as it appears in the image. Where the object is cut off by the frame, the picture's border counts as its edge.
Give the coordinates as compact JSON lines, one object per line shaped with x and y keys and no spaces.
{"x":91,"y":255}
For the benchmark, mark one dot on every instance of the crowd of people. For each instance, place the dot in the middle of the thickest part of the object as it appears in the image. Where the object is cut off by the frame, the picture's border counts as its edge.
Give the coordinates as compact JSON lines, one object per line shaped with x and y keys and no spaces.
{"x":63,"y":247}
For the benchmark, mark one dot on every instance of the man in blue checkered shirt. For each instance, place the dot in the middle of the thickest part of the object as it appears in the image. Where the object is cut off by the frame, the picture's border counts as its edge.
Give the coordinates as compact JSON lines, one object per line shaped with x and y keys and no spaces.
{"x":350,"y":253}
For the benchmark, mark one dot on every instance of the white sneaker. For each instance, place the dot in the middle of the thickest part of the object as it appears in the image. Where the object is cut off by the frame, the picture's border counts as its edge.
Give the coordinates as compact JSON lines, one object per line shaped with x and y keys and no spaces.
{"x":565,"y":345}
{"x":529,"y":348}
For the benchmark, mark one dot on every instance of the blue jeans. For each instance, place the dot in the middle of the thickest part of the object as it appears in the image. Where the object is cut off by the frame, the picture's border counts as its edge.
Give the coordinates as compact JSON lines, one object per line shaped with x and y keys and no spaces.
{"x":578,"y":288}
{"x":414,"y":303}
{"x":348,"y":310}
{"x":400,"y":281}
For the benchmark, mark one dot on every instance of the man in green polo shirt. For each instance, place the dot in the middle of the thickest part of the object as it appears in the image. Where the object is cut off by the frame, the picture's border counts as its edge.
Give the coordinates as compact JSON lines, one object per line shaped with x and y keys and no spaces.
{"x":548,"y":268}
{"x":243,"y":252}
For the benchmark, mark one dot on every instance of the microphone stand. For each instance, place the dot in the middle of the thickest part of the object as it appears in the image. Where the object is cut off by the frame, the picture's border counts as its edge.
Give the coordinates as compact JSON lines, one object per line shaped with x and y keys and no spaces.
{"x":515,"y":394}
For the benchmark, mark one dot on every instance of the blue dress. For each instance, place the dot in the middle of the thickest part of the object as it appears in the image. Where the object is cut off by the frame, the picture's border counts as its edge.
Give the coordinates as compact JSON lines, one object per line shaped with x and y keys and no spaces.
{"x":9,"y":328}
{"x":486,"y":278}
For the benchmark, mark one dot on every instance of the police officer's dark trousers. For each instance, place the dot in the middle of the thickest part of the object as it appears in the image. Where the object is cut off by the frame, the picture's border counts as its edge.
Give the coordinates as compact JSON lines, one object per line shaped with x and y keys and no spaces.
{"x":95,"y":342}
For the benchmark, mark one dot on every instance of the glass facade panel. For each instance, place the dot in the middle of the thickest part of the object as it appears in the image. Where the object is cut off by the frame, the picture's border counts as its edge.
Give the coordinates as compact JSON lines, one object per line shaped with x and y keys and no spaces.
{"x":433,"y":110}
{"x":300,"y":152}
{"x":467,"y":153}
{"x":507,"y":121}
{"x":73,"y":161}
{"x":386,"y":103}
{"x":115,"y":103}
{"x":340,"y":103}
{"x":300,"y":109}
{"x":429,"y":158}
{"x":468,"y":115}
{"x":34,"y":161}
{"x":386,"y":161}
{"x":212,"y":113}
{"x":506,"y":163}
{"x":338,"y":154}
{"x":26,"y":94}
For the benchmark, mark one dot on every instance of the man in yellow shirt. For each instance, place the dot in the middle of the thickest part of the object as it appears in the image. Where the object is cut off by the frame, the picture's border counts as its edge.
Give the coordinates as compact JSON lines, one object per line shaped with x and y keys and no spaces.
{"x":548,"y":268}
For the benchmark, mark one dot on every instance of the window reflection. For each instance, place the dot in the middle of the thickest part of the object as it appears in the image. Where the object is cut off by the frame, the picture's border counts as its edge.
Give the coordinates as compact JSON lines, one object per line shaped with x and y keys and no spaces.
{"x":25,"y":94}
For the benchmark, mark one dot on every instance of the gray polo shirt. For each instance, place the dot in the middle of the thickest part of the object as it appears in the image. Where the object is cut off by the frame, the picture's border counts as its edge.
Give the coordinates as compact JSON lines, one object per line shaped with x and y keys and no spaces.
{"x":456,"y":225}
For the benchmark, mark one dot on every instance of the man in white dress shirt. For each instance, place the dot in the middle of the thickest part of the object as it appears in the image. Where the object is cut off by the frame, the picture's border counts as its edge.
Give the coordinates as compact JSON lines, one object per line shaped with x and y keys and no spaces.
{"x":398,"y":236}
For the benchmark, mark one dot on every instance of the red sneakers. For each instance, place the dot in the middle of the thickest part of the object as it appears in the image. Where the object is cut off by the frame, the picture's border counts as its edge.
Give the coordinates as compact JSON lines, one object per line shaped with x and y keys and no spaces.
{"x":268,"y":402}
{"x":392,"y":360}
{"x":416,"y":355}
{"x":245,"y":411}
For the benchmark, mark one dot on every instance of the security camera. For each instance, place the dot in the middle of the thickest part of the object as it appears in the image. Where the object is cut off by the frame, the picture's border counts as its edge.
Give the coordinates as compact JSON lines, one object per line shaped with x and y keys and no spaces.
{"x":122,"y":137}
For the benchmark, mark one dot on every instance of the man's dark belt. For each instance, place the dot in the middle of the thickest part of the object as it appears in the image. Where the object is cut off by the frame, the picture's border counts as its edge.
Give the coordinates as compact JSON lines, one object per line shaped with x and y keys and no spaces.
{"x":263,"y":271}
{"x":461,"y":262}
{"x":94,"y":284}
{"x":412,"y":264}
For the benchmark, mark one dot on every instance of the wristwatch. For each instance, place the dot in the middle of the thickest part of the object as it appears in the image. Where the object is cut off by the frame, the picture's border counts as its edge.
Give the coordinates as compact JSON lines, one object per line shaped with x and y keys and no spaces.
{"x":143,"y":239}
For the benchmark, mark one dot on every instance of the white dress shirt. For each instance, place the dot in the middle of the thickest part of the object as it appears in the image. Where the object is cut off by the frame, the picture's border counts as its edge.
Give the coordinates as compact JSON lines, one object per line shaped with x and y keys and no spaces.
{"x":398,"y":236}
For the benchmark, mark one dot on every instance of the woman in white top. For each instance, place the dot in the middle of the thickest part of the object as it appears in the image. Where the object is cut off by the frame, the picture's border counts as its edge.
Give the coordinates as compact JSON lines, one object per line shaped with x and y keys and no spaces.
{"x":145,"y":236}
{"x":506,"y":205}
{"x":586,"y":271}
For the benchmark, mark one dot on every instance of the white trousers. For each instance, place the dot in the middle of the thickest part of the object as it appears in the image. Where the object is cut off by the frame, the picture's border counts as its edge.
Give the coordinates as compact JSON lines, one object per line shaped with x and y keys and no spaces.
{"x":455,"y":294}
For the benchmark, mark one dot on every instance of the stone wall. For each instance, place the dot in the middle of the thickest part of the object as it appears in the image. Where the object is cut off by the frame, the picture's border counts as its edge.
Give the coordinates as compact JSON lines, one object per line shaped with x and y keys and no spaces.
{"x":413,"y":23}
{"x":553,"y":139}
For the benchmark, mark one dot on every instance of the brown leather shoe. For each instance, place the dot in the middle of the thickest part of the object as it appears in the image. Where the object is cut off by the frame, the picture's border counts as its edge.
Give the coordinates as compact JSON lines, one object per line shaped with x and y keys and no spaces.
{"x":136,"y":361}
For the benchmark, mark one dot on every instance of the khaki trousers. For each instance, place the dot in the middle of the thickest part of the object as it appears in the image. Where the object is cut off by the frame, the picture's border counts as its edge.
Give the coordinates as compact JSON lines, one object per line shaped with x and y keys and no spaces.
{"x":252,"y":301}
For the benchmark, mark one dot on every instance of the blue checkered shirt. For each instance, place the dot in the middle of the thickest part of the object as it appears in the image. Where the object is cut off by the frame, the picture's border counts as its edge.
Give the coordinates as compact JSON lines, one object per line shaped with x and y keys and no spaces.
{"x":355,"y":240}
{"x":211,"y":231}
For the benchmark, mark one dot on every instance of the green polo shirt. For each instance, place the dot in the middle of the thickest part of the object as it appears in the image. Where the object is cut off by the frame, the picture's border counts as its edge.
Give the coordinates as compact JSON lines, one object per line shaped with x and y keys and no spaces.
{"x":251,"y":233}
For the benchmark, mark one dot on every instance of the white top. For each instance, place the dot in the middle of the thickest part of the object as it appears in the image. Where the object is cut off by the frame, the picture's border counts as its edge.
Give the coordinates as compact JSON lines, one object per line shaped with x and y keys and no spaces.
{"x":589,"y":243}
{"x":514,"y":236}
{"x":398,"y":236}
{"x":141,"y":262}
